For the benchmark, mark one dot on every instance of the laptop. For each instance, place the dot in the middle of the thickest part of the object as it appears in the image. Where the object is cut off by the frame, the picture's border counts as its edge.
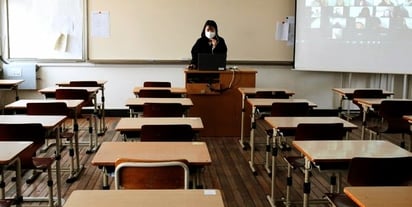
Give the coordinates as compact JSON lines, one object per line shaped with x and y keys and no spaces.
{"x":207,"y":61}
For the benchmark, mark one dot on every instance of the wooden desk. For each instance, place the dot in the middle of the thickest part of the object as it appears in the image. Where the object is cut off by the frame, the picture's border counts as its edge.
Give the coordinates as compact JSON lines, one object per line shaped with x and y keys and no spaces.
{"x":216,"y":99}
{"x":50,"y":92}
{"x":347,"y":94}
{"x":136,"y":104}
{"x":100,"y":83}
{"x":371,"y":104}
{"x":246,"y":92}
{"x":399,"y":196}
{"x":282,"y":123}
{"x":173,"y":90}
{"x":9,"y":154}
{"x":323,"y":152}
{"x":49,"y":123}
{"x":196,"y":153}
{"x":135,"y":124}
{"x":256,"y":103}
{"x":73,"y":105}
{"x":11,"y":85}
{"x":147,"y":198}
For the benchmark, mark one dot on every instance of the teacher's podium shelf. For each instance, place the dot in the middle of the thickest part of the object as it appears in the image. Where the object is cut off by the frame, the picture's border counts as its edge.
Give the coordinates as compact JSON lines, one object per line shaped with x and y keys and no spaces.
{"x":216,"y":99}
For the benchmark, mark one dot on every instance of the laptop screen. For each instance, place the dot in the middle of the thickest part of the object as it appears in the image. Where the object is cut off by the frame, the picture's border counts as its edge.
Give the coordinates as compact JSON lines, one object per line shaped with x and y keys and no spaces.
{"x":207,"y":61}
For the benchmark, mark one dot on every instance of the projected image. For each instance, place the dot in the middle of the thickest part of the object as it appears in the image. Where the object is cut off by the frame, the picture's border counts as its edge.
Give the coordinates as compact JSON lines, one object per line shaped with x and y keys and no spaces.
{"x":351,"y":26}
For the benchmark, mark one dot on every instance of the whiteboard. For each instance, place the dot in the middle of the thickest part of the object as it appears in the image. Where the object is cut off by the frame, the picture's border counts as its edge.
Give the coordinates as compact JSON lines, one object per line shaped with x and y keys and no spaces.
{"x":45,"y":29}
{"x":167,"y":30}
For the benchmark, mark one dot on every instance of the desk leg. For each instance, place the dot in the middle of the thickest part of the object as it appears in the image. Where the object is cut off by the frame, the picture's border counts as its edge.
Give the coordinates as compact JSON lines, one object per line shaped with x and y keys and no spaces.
{"x":105,"y":179}
{"x":271,"y":197}
{"x":252,"y":141}
{"x":58,"y":170}
{"x":268,"y":150}
{"x":17,"y":93}
{"x":241,"y":141}
{"x":365,"y":109}
{"x":75,"y":173}
{"x":19,"y":196}
{"x":2,"y":184}
{"x":306,"y":184}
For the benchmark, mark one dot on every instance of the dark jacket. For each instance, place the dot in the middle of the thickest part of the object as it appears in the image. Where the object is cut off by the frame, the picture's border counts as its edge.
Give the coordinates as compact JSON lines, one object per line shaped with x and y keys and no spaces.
{"x":203,"y":45}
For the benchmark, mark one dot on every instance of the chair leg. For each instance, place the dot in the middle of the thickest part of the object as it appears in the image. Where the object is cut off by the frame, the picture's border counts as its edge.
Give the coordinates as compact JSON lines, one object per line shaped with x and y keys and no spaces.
{"x":288,"y":185}
{"x":50,"y":186}
{"x":2,"y":185}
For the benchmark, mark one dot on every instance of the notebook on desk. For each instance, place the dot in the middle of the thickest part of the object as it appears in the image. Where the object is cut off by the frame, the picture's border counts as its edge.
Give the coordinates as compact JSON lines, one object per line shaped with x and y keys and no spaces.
{"x":208,"y":61}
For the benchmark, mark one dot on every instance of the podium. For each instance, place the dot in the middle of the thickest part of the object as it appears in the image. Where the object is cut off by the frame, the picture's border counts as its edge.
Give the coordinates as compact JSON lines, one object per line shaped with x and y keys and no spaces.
{"x":216,"y":99}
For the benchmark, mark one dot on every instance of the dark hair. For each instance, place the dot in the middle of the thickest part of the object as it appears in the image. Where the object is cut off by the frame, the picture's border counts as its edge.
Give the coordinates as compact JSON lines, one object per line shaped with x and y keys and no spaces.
{"x":210,"y":23}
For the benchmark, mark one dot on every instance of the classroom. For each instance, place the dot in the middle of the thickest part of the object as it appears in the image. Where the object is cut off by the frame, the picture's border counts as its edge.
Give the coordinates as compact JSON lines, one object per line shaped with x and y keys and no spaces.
{"x":111,"y":50}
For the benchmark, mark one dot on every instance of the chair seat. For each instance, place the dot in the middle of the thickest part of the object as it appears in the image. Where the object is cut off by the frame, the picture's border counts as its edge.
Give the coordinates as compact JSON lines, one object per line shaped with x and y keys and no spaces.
{"x":6,"y":202}
{"x":42,"y":162}
{"x":295,"y":161}
{"x":340,"y":200}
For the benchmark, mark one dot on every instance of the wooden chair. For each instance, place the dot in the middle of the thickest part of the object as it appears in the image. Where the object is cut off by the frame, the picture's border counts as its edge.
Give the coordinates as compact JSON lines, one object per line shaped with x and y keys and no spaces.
{"x":143,"y":174}
{"x":163,"y":110}
{"x":81,"y":94}
{"x":28,"y":159}
{"x":366,"y":93}
{"x":286,"y":109}
{"x":311,"y":131}
{"x":178,"y":132}
{"x":262,"y":112}
{"x":84,"y":84}
{"x":155,"y":93}
{"x":54,"y":108}
{"x":364,"y":171}
{"x":392,"y":122}
{"x":160,"y":84}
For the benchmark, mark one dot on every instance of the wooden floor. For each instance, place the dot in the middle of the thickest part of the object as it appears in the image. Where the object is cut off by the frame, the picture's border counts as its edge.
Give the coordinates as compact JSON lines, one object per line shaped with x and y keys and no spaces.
{"x":229,"y":171}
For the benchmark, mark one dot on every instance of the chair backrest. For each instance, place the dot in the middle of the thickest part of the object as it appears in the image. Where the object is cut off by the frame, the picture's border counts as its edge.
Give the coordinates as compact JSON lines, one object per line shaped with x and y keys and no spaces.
{"x":271,"y":94}
{"x":141,"y":174}
{"x":290,"y":109}
{"x":161,"y":84}
{"x":83,"y":84}
{"x":49,"y":108}
{"x":392,"y":111}
{"x":80,"y":94}
{"x":155,"y":93}
{"x":320,"y":131}
{"x":368,"y":93}
{"x":163,"y":110}
{"x":365,"y":171}
{"x":24,"y":132}
{"x":178,"y":132}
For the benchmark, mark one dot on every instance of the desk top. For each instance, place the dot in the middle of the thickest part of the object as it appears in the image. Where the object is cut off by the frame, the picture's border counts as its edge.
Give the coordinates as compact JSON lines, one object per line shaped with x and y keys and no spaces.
{"x":8,"y":82}
{"x":148,"y":198}
{"x":174,"y":90}
{"x":53,"y":89}
{"x":252,"y":90}
{"x":371,"y":102}
{"x":22,"y":103}
{"x":46,"y":121}
{"x":196,"y":153}
{"x":292,"y":122}
{"x":135,"y":124}
{"x":350,"y":91}
{"x":256,"y":102}
{"x":67,"y":83}
{"x":10,"y":150}
{"x":345,"y":150}
{"x":399,"y":196}
{"x":142,"y":101}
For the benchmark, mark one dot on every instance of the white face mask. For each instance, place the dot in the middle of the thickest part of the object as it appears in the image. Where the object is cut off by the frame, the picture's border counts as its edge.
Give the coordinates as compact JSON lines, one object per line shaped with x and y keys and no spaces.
{"x":210,"y":35}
